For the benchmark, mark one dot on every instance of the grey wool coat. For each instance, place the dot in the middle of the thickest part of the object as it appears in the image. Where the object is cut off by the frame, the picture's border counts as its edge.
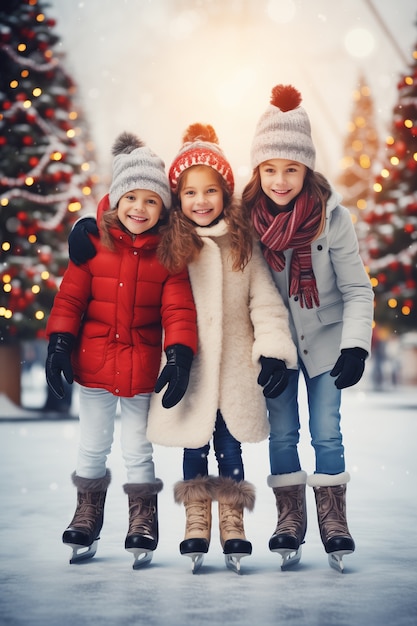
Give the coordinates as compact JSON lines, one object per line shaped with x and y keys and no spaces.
{"x":344,"y":317}
{"x":240,"y":317}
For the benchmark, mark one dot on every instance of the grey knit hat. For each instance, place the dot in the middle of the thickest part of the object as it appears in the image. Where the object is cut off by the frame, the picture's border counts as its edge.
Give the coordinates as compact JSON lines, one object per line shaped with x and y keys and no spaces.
{"x":135,"y":166}
{"x":283,"y":131}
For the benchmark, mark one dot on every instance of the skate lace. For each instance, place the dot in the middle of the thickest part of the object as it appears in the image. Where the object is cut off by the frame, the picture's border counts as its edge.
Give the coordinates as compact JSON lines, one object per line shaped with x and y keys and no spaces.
{"x":89,"y":510}
{"x":231,"y":521}
{"x":197,"y":521}
{"x":332,"y":512}
{"x":291,"y":516}
{"x":141,"y":517}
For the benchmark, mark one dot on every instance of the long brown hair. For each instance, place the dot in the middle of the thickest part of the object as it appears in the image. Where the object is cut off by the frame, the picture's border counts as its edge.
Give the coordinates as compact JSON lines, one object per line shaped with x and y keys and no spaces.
{"x":180,"y":244}
{"x":314,"y":183}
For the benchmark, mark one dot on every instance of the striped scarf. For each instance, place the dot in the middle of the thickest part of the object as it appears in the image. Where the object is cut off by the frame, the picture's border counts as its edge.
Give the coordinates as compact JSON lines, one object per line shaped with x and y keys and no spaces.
{"x":295,"y":230}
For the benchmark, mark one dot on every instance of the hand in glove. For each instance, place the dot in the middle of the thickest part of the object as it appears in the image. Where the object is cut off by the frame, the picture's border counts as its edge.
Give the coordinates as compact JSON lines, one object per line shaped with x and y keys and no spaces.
{"x":273,"y":376}
{"x":176,"y":374}
{"x":58,"y":362}
{"x":80,"y":247}
{"x":349,"y":367}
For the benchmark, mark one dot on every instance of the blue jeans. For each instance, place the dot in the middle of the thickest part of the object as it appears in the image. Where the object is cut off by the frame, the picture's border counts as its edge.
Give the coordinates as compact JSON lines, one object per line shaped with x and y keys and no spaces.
{"x":97,"y":414}
{"x":324,"y":422}
{"x":228,"y":453}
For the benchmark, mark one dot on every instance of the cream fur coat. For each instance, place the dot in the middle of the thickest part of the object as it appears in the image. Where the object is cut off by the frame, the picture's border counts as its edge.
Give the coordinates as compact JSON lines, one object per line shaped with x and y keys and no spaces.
{"x":240,"y":317}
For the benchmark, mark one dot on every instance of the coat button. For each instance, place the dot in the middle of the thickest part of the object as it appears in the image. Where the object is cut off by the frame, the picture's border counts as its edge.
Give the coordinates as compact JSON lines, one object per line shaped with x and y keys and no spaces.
{"x":320,"y":247}
{"x":305,"y":351}
{"x":295,"y":298}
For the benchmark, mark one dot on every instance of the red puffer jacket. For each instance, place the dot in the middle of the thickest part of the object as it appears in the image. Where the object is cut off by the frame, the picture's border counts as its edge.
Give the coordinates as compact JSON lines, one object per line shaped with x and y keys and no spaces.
{"x":116,"y":305}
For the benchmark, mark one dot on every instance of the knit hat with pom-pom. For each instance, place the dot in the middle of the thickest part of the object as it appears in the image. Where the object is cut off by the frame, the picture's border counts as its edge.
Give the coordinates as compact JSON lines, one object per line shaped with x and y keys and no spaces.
{"x":135,"y":166}
{"x":283,"y":131}
{"x":200,"y":147}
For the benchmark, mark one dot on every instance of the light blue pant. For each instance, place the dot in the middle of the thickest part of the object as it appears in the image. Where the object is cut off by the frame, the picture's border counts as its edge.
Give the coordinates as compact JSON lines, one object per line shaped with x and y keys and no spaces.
{"x":97,"y":416}
{"x":324,"y":422}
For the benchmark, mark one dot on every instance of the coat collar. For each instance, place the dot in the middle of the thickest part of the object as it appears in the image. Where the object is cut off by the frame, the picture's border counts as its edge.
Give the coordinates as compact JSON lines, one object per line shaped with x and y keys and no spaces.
{"x":219,"y":229}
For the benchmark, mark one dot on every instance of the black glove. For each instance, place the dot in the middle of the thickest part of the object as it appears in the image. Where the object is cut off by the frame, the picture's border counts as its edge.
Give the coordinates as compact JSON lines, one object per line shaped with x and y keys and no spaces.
{"x":58,"y":362}
{"x":273,"y":376}
{"x":349,"y":367}
{"x":176,"y":373}
{"x":80,"y":247}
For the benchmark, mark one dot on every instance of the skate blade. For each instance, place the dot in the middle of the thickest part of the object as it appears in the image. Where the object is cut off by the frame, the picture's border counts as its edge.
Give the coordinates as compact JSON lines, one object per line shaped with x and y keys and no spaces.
{"x":233,"y":561}
{"x":82,"y":553}
{"x":197,"y":559}
{"x":289,"y":557}
{"x":335,"y":559}
{"x":141,"y":557}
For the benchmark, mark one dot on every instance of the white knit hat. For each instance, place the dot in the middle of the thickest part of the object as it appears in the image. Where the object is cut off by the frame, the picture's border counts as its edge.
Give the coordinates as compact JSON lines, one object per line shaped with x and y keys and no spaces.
{"x":283,"y":131}
{"x":135,"y":166}
{"x":200,"y":147}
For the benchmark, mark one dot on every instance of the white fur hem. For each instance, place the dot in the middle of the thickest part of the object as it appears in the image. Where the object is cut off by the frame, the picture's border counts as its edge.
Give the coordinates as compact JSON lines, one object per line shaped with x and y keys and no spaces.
{"x":328,"y":480}
{"x":287,"y":480}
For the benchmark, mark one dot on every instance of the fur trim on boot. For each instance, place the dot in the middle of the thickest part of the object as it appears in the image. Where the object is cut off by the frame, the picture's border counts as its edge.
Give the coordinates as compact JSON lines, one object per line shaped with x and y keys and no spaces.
{"x":91,"y":485}
{"x":328,"y":480}
{"x":200,"y":488}
{"x":238,"y":495}
{"x":287,"y":480}
{"x":143,"y":489}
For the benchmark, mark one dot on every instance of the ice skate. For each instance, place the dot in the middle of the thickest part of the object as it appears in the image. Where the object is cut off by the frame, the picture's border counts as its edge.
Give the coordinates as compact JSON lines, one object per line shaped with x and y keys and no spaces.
{"x":233,"y":498}
{"x":196,"y":495}
{"x":143,"y":535}
{"x":288,"y":537}
{"x":83,"y":533}
{"x":234,"y":550}
{"x":330,"y":497}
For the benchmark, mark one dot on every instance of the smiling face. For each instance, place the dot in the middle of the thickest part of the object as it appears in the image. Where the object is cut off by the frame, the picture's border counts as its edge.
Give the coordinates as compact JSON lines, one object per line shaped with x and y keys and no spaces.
{"x":139,"y":210}
{"x":282,"y":180}
{"x":201,"y":195}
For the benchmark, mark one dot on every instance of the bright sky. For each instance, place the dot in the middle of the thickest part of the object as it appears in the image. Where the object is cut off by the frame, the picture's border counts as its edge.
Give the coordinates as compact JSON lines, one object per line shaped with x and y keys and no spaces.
{"x":152,"y":67}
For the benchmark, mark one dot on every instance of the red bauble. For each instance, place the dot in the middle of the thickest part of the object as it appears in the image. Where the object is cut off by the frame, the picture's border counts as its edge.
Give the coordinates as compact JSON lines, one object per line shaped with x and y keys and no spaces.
{"x":3,"y":141}
{"x":33,"y":161}
{"x":27,"y":140}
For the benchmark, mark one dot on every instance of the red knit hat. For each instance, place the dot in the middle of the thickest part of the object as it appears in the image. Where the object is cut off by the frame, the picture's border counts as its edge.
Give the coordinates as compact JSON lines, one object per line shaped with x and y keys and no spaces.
{"x":200,"y":147}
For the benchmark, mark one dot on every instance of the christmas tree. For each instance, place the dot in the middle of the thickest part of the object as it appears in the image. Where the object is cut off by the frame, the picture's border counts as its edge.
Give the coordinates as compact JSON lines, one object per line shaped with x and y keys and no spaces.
{"x":360,"y":153}
{"x":390,"y":245}
{"x":46,"y":168}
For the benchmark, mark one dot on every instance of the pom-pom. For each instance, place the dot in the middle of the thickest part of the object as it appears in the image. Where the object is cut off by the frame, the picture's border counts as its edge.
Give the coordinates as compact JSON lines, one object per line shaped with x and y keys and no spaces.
{"x":200,"y":132}
{"x":126,"y":143}
{"x":285,"y":97}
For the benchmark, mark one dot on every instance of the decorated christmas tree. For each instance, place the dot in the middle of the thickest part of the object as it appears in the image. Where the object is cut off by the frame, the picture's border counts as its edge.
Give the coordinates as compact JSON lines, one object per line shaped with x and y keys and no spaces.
{"x":390,"y":245}
{"x":360,"y":153}
{"x":46,"y":169}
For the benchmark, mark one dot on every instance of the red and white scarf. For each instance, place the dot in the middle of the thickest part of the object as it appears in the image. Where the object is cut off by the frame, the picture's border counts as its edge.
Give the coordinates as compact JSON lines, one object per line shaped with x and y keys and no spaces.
{"x":295,"y":230}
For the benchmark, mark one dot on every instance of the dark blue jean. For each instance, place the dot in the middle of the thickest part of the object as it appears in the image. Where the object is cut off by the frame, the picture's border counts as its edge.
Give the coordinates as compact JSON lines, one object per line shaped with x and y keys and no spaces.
{"x":227,"y":450}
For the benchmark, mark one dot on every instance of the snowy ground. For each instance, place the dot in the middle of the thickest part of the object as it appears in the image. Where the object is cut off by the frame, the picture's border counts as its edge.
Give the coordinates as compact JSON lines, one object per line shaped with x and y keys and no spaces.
{"x":378,"y":587}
